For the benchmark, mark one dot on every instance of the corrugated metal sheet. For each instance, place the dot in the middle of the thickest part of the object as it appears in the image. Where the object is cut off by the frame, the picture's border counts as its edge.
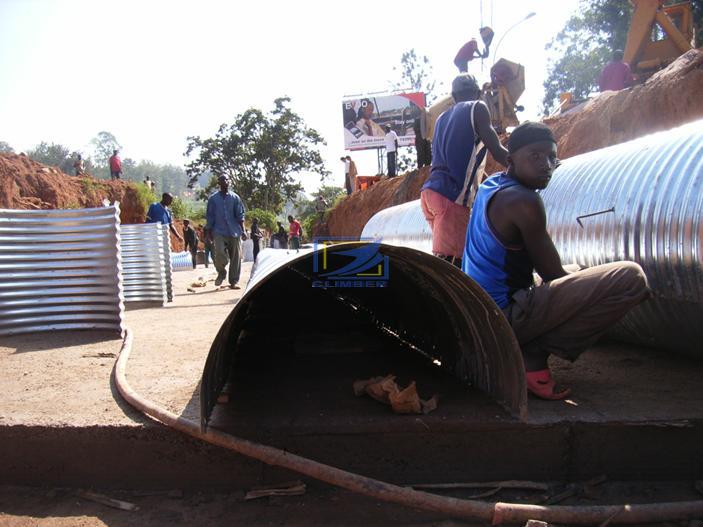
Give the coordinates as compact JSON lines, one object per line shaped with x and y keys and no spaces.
{"x":403,"y":226}
{"x":60,"y":269}
{"x":640,"y":201}
{"x":143,"y":263}
{"x":428,"y":305}
{"x":168,"y":269}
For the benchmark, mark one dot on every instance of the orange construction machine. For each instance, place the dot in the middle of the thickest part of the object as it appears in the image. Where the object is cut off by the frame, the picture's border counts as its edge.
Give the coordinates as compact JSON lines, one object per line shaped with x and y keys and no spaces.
{"x":658,"y":35}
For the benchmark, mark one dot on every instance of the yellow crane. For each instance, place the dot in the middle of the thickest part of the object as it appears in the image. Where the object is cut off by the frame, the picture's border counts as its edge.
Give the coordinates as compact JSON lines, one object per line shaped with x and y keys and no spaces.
{"x":658,"y":34}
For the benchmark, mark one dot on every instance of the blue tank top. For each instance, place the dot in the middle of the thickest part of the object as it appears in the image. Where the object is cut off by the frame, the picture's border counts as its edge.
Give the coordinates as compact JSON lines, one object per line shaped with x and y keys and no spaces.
{"x":456,"y":157}
{"x":499,"y":269}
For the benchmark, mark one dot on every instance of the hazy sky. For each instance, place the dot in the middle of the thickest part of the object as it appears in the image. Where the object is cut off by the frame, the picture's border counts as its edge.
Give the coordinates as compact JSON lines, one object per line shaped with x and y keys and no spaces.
{"x":154,"y":72}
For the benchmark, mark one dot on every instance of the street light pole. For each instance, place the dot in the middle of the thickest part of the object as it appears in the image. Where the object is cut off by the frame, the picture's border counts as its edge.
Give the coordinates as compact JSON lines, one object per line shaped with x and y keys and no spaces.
{"x":495,"y":51}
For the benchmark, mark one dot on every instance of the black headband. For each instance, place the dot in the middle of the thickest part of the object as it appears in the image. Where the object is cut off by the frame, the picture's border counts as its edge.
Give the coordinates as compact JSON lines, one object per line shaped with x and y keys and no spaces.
{"x":528,"y":133}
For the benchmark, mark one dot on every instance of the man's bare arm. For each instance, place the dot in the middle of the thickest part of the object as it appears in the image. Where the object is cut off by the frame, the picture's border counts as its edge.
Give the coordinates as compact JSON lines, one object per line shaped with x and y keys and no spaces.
{"x":488,"y":135}
{"x":531,"y":220}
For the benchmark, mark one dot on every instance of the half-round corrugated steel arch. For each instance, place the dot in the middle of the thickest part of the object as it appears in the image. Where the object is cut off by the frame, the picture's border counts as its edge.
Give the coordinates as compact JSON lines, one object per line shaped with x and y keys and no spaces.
{"x":429,"y":305}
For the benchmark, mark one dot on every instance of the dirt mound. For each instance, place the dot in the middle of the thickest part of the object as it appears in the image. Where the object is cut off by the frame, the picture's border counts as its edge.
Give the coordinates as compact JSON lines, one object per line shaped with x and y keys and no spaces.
{"x":668,"y":99}
{"x":349,"y":217}
{"x":26,"y":184}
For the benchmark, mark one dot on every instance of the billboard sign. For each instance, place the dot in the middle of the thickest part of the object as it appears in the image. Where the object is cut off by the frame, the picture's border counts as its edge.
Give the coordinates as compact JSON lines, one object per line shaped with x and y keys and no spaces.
{"x":365,"y":119}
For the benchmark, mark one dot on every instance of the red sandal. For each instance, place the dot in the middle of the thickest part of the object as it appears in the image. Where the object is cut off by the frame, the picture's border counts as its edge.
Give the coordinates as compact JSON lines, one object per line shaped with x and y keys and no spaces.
{"x":541,"y":384}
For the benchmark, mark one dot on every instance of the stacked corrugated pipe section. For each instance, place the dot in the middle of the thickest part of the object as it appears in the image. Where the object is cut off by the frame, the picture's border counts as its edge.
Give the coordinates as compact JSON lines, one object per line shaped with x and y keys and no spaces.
{"x":60,"y":269}
{"x":143,"y":263}
{"x":168,"y":269}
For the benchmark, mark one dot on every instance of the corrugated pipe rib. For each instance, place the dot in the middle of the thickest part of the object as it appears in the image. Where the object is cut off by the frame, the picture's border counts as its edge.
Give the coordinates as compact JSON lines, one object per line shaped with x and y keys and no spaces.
{"x":60,"y":269}
{"x":640,"y":201}
{"x":143,"y":263}
{"x":168,"y":268}
{"x":497,"y":513}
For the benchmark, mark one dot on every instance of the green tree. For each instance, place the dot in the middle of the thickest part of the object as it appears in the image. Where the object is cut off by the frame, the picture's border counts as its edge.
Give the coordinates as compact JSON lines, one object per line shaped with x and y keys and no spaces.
{"x":5,"y":148}
{"x":103,"y":145}
{"x":586,"y":44}
{"x":416,"y":74}
{"x":52,"y":154}
{"x":260,"y":154}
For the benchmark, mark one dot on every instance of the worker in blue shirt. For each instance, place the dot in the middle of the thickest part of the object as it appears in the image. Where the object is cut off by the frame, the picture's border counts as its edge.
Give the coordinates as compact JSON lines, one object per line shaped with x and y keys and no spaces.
{"x":160,"y":213}
{"x":225,"y":227}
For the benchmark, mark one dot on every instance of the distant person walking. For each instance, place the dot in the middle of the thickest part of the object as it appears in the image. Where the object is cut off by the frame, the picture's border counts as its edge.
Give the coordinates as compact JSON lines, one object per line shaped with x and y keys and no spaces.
{"x":256,"y":236}
{"x":160,"y":213}
{"x":353,"y":172}
{"x":281,"y":236}
{"x":347,"y":183}
{"x":225,"y":227}
{"x":149,"y":183}
{"x":616,"y":75}
{"x":115,"y":165}
{"x":391,"y":139}
{"x":190,"y":237}
{"x":294,"y":233}
{"x":79,"y":166}
{"x":208,"y":249}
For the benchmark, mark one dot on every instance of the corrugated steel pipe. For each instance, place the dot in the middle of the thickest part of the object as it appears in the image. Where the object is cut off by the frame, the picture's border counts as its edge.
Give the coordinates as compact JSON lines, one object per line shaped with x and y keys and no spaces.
{"x":497,"y":513}
{"x":428,"y":305}
{"x":640,"y":201}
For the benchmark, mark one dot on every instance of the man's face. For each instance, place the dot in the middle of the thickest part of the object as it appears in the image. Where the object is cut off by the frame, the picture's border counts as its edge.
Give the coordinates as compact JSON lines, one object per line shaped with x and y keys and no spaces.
{"x":223,"y":183}
{"x":533,"y":164}
{"x":168,"y":199}
{"x":368,"y":110}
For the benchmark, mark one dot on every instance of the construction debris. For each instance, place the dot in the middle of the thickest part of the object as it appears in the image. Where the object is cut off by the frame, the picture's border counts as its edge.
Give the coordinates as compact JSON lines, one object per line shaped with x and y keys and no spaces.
{"x":105,"y":500}
{"x":290,"y":488}
{"x":403,"y":401}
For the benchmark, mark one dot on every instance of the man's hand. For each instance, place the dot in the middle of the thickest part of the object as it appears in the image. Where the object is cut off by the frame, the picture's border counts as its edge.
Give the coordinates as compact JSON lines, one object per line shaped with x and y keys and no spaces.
{"x":484,"y":129}
{"x":244,"y":235}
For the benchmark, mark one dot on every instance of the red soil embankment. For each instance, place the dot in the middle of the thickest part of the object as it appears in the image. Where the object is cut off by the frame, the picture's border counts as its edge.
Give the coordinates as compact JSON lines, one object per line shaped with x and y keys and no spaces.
{"x":26,"y":184}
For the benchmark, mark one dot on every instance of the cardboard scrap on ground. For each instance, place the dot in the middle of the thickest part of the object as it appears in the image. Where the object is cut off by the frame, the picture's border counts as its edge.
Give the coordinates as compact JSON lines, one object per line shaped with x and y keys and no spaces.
{"x":290,"y":488}
{"x":387,"y":391}
{"x":200,"y":282}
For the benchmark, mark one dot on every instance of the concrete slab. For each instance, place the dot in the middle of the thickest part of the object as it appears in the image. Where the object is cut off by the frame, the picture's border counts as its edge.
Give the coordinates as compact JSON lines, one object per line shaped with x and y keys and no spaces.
{"x":635,"y":412}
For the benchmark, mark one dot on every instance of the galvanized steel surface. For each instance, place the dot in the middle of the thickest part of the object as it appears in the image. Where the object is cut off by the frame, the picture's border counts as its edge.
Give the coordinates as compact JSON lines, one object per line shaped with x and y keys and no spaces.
{"x":428,"y":305}
{"x":60,"y":269}
{"x":403,"y":226}
{"x":640,"y":201}
{"x":182,"y":261}
{"x":143,"y":263}
{"x":168,"y":269}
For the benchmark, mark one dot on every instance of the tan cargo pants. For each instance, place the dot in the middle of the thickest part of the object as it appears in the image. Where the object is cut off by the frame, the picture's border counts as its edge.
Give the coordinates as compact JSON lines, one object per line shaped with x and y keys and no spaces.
{"x":568,"y":315}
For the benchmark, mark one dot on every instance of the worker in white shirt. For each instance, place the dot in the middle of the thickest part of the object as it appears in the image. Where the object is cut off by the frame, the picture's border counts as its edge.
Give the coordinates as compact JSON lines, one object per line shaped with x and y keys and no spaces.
{"x":391,"y":150}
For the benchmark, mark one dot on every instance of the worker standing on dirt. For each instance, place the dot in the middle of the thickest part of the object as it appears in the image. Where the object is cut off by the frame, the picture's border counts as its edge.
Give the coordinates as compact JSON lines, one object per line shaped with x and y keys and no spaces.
{"x":190,"y":237}
{"x":507,"y":240}
{"x":79,"y":166}
{"x":457,"y":164}
{"x":295,"y":231}
{"x":391,"y":143}
{"x":256,"y":236}
{"x":225,"y":226}
{"x":347,"y":185}
{"x":115,"y":165}
{"x":208,"y":248}
{"x":353,"y":172}
{"x":160,"y":213}
{"x":616,"y":75}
